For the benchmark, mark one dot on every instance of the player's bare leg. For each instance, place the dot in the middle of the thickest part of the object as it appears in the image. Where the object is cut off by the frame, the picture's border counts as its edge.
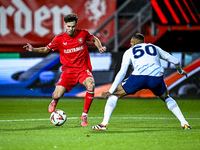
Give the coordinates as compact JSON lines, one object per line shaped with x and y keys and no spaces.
{"x":174,"y":108}
{"x":57,"y":94}
{"x":89,"y":84}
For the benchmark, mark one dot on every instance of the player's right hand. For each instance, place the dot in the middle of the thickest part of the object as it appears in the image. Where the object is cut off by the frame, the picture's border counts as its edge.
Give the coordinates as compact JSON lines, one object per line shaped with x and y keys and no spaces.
{"x":105,"y":94}
{"x":102,"y":49}
{"x":28,"y":47}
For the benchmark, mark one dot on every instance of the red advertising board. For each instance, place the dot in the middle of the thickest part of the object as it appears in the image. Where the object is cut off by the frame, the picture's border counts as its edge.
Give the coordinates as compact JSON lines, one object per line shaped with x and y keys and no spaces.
{"x":37,"y":22}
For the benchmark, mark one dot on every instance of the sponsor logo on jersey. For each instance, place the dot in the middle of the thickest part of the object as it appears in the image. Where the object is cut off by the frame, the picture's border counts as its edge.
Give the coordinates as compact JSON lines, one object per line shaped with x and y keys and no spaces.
{"x":64,"y":43}
{"x":74,"y":49}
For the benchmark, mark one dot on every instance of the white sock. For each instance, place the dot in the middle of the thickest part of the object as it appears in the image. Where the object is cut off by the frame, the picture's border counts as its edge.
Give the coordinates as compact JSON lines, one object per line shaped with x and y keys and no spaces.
{"x":174,"y":108}
{"x":84,"y":114}
{"x":110,"y":106}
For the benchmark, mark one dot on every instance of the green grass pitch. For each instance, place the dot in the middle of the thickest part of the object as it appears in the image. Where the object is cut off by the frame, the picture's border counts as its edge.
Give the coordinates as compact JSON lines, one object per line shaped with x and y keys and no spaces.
{"x":141,"y":124}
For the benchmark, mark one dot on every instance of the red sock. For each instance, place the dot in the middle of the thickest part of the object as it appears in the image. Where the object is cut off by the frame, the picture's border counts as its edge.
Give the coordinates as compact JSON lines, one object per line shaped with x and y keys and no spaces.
{"x":88,"y":100}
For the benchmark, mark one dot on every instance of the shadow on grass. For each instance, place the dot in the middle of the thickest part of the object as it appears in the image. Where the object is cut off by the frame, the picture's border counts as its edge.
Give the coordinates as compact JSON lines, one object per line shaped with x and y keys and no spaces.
{"x":112,"y":132}
{"x":135,"y":130}
{"x":41,"y":128}
{"x":29,"y":129}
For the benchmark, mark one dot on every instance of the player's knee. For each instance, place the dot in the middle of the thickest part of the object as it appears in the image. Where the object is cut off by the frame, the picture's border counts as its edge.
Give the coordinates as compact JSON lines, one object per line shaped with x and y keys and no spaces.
{"x":90,"y":84}
{"x":120,"y":92}
{"x":119,"y":95}
{"x":164,"y":97}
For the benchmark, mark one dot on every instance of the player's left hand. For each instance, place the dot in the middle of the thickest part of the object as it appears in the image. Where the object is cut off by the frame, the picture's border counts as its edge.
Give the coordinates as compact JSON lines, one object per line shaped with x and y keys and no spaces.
{"x":105,"y":94}
{"x":102,"y":49}
{"x":184,"y":73}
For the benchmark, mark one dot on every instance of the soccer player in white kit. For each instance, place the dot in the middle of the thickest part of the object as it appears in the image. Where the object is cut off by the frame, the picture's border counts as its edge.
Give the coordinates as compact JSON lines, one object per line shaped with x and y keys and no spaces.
{"x":147,"y":74}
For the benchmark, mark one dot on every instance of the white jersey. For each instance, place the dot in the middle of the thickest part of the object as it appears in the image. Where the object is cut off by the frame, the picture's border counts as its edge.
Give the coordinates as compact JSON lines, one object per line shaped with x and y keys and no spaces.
{"x":145,"y":58}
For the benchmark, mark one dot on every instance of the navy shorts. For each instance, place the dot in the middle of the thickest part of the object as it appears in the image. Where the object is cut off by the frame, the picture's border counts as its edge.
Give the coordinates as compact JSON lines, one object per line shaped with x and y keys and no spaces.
{"x":135,"y":83}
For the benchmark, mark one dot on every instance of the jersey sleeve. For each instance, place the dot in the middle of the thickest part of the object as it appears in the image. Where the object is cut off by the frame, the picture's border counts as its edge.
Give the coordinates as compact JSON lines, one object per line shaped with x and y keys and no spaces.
{"x":166,"y":56}
{"x":89,"y":36}
{"x":171,"y":59}
{"x":126,"y":60}
{"x":53,"y":45}
{"x":163,"y":54}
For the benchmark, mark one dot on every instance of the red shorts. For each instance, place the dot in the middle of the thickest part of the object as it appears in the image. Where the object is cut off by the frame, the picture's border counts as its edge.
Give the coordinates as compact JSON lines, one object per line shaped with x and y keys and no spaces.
{"x":70,"y":80}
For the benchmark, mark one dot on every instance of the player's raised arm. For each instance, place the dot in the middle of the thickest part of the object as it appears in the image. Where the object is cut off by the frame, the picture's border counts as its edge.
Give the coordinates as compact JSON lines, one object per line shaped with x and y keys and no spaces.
{"x":98,"y":44}
{"x":177,"y":65}
{"x":171,"y":59}
{"x":30,"y":48}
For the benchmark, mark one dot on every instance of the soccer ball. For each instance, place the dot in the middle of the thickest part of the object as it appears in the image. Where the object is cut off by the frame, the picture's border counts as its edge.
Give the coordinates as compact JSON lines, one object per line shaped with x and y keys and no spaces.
{"x":58,"y":117}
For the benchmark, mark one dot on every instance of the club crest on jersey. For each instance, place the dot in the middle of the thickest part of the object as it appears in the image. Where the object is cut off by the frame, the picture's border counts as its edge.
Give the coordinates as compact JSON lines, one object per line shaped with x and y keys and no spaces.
{"x":80,"y":40}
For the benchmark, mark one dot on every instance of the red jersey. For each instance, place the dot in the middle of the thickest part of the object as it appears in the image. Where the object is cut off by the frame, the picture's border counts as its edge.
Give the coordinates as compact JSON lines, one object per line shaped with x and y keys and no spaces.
{"x":74,"y":54}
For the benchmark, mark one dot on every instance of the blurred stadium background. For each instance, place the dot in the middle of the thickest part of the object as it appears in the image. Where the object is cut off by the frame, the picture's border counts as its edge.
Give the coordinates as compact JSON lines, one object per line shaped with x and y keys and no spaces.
{"x":174,"y":25}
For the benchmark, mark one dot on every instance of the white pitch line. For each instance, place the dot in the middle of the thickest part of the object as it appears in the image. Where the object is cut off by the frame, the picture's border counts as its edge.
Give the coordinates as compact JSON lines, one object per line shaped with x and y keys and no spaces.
{"x":158,"y":118}
{"x":22,"y":120}
{"x":33,"y":119}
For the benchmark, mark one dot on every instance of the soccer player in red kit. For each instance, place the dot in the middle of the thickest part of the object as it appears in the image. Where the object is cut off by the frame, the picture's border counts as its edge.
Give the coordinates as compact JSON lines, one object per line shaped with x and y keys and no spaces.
{"x":75,"y":59}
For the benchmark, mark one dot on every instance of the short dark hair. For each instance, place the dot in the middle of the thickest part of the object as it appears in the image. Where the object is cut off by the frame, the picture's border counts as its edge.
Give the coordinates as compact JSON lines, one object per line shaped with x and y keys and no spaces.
{"x":139,"y":37}
{"x":71,"y":17}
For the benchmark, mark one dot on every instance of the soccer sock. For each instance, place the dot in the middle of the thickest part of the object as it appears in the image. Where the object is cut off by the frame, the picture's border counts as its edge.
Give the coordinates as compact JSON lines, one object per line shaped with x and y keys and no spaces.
{"x":174,"y":108}
{"x":88,"y":101}
{"x":110,"y":106}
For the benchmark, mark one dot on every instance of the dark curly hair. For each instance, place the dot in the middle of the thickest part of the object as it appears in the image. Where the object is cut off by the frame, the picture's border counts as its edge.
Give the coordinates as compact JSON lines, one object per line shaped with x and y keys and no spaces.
{"x":71,"y":17}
